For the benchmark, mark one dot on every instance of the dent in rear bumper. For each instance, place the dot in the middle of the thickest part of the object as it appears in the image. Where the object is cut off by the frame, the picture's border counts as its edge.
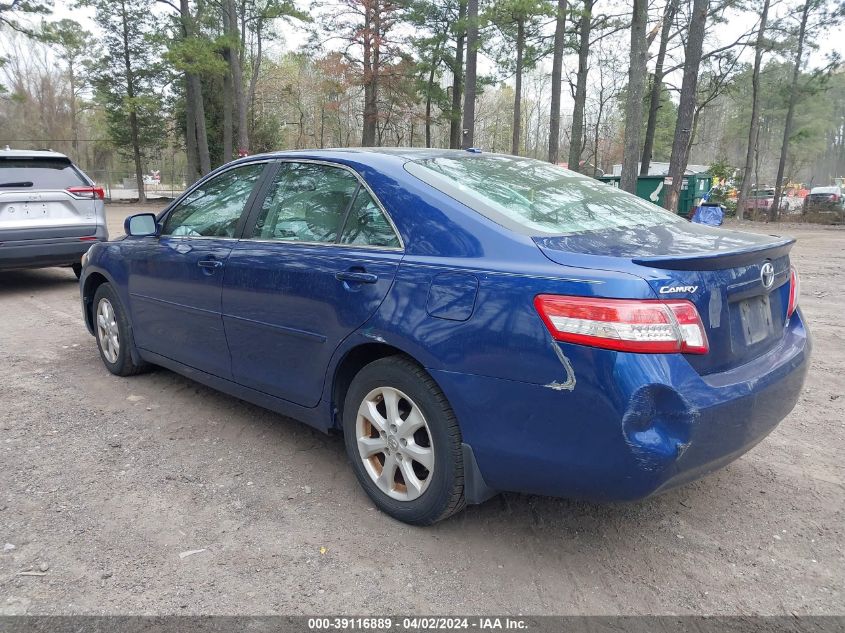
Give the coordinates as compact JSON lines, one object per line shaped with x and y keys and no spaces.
{"x":642,"y":425}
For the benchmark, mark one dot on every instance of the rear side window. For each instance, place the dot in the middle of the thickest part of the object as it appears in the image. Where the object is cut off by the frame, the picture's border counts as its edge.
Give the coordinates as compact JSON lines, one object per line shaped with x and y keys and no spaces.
{"x":536,"y":198}
{"x":306,"y":203}
{"x":39,"y":173}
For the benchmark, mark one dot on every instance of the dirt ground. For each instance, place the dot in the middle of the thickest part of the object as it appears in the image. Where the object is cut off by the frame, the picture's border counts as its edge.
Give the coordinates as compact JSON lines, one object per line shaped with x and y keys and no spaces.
{"x":108,"y":484}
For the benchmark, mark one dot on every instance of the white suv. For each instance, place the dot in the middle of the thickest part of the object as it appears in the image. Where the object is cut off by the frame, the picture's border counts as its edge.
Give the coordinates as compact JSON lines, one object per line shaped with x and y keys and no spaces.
{"x":50,"y":212}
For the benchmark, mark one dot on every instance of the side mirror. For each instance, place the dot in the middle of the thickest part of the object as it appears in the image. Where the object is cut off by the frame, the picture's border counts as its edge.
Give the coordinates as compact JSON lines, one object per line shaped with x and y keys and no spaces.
{"x":141,"y":225}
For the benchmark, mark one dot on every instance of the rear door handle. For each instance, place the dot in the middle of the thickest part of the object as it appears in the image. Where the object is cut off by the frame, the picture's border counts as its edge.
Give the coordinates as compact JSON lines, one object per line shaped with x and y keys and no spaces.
{"x":210,"y":263}
{"x":358,"y":277}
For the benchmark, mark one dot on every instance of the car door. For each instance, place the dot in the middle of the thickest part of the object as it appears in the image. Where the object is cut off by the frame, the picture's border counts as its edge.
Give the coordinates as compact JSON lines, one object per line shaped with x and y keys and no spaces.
{"x":175,"y":279}
{"x":318,"y":257}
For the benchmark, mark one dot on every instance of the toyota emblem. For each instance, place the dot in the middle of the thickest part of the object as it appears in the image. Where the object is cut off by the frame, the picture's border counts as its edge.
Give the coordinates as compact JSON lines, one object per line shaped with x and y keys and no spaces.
{"x":767,"y":275}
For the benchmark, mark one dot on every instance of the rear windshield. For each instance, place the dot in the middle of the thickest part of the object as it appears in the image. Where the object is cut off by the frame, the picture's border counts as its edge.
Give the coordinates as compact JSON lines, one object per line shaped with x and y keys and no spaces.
{"x":534,"y":197}
{"x":42,"y":173}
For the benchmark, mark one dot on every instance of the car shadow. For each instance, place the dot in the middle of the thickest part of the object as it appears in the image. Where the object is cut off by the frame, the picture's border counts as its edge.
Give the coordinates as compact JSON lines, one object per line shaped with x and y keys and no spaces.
{"x":505,"y":519}
{"x":12,"y":281}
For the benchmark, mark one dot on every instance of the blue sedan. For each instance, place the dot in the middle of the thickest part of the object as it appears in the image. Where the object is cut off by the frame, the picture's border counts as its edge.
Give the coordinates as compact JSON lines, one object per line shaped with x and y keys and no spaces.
{"x":471,"y":322}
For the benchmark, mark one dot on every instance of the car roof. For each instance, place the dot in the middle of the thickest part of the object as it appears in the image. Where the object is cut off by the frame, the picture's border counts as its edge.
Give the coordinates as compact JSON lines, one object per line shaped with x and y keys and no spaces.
{"x":7,"y":152}
{"x":829,"y":189}
{"x":367,"y":155}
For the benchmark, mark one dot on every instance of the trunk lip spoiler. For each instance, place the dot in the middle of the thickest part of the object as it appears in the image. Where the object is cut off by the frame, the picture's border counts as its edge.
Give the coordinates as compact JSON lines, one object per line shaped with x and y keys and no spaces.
{"x":718,"y":260}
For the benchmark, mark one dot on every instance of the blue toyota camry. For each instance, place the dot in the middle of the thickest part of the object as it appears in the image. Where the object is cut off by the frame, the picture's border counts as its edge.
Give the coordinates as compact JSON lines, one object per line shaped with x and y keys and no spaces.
{"x":471,"y":322}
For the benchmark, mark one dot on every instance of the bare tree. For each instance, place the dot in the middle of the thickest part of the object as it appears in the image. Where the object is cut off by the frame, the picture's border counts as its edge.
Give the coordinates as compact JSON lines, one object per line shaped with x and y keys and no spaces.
{"x":634,"y":101}
{"x":754,"y":128}
{"x":576,"y":139}
{"x":657,"y":85}
{"x":687,"y":105}
{"x":470,"y":78}
{"x":557,"y":81}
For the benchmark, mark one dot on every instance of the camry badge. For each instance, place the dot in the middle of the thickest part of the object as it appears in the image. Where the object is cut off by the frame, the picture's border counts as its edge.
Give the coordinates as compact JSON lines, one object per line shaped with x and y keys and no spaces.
{"x":767,"y":275}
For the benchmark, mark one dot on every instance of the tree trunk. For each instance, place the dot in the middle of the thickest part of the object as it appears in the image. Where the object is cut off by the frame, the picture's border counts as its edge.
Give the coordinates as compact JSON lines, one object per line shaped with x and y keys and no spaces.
{"x":686,"y":106}
{"x":517,"y":97}
{"x":754,"y":130}
{"x":657,"y":86}
{"x":557,"y":81}
{"x":133,"y":115}
{"x":457,"y":80}
{"x":237,"y":77}
{"x":228,"y":106}
{"x":199,"y":162}
{"x":774,"y":212}
{"x":429,"y":88}
{"x":468,"y":132}
{"x":634,"y":105}
{"x":74,"y":124}
{"x":253,"y":80}
{"x":368,"y":131}
{"x":577,"y":137}
{"x":192,"y":164}
{"x":202,"y":135}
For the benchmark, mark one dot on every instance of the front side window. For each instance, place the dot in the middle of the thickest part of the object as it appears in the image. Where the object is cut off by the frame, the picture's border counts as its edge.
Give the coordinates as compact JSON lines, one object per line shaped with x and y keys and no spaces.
{"x":214,"y":208}
{"x":536,"y":198}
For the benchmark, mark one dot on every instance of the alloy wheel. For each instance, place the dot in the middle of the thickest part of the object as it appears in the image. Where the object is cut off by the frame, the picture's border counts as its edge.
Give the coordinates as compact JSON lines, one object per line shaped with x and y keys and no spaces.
{"x":107,"y":330}
{"x":394,"y":443}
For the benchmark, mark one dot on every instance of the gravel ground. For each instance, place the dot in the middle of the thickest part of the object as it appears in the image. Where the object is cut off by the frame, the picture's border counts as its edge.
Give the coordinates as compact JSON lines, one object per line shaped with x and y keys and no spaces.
{"x":155,"y":495}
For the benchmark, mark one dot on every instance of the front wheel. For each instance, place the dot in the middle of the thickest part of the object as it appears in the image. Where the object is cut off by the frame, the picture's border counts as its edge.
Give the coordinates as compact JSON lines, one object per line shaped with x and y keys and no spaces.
{"x":404,"y":442}
{"x":111,"y":327}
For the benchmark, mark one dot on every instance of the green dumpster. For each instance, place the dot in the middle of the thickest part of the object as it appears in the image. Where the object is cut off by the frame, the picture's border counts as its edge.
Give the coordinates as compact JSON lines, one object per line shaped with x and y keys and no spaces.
{"x":653,"y":189}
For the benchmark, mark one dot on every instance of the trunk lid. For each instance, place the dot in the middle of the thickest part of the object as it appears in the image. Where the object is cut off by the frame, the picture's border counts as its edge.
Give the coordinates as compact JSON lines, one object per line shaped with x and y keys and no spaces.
{"x":28,"y":214}
{"x":35,"y":202}
{"x":742,"y":300}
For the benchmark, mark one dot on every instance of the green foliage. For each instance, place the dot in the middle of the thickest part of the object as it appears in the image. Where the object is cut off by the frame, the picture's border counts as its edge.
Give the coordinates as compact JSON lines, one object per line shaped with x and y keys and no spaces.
{"x":12,"y":13}
{"x":505,"y":16}
{"x":127,"y":75}
{"x":721,"y":169}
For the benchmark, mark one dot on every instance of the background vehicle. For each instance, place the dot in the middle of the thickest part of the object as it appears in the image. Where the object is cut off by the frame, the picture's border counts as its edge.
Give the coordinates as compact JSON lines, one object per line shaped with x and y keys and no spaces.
{"x":50,"y":212}
{"x":760,"y":199}
{"x":472,"y":322}
{"x":826,"y":201}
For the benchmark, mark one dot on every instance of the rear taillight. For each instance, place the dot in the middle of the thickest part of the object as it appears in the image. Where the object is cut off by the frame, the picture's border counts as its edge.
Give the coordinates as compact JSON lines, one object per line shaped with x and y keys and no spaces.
{"x":95,"y":193}
{"x":626,"y":325}
{"x":794,"y":291}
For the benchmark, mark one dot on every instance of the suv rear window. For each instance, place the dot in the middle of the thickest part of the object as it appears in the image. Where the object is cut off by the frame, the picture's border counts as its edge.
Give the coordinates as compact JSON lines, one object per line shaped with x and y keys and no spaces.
{"x":43,"y":173}
{"x":533,"y":197}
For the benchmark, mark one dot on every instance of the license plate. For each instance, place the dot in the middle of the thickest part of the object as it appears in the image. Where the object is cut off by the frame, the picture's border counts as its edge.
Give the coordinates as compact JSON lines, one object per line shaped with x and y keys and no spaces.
{"x":756,"y":317}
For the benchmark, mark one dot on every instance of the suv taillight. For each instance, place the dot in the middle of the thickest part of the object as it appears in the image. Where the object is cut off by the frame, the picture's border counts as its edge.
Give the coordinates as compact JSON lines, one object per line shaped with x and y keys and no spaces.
{"x":794,"y":290}
{"x":95,"y":193}
{"x":625,"y":325}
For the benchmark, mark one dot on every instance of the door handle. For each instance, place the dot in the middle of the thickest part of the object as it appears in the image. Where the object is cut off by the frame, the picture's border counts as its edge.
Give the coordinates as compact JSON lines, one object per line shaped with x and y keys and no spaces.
{"x":210,"y":263}
{"x":358,"y":277}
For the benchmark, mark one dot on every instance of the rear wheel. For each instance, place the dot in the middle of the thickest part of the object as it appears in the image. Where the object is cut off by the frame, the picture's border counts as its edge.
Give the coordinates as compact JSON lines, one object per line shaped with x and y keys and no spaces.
{"x":404,"y":442}
{"x":112,"y":332}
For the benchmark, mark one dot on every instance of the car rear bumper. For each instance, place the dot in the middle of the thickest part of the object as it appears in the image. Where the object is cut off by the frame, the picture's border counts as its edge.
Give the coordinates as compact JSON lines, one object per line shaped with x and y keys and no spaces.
{"x":651,"y":424}
{"x":42,"y":253}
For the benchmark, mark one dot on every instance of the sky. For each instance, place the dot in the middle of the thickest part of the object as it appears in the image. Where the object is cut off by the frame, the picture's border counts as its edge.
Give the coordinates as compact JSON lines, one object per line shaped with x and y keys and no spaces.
{"x":293,"y":36}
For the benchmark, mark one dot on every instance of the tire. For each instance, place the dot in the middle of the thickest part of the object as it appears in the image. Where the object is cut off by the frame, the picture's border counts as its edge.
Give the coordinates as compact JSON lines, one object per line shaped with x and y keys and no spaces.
{"x":77,"y":270}
{"x":113,"y":334}
{"x":415,"y":494}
